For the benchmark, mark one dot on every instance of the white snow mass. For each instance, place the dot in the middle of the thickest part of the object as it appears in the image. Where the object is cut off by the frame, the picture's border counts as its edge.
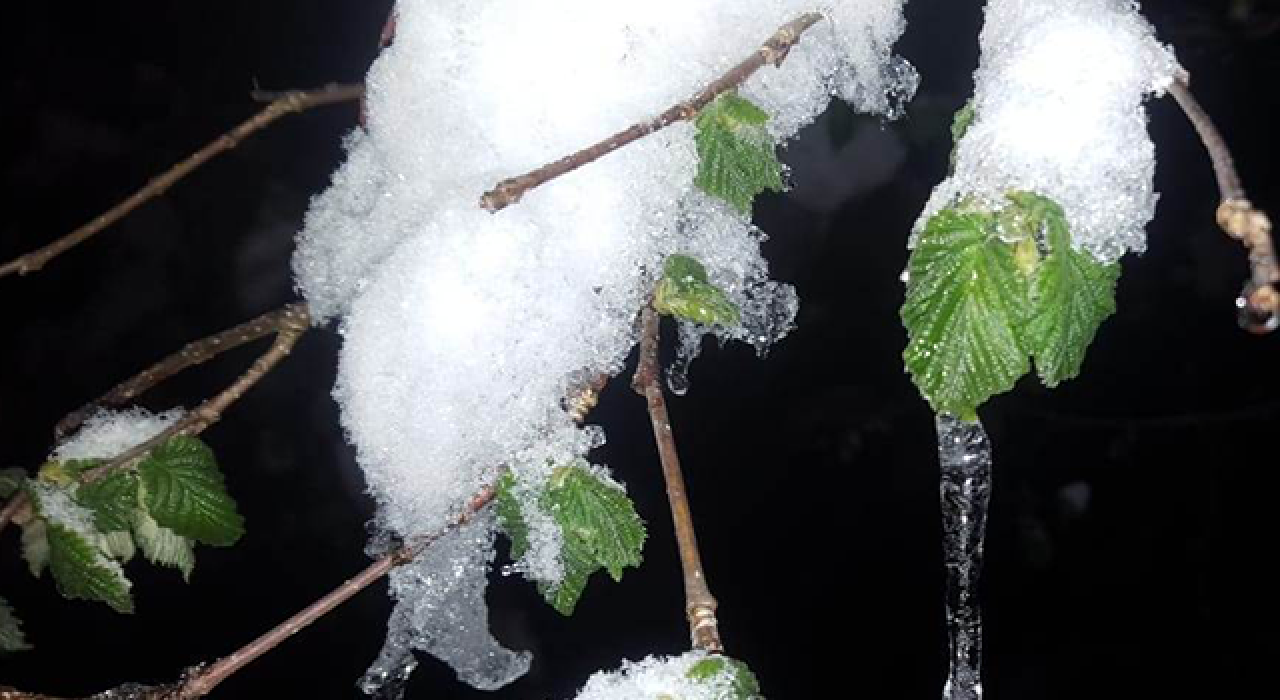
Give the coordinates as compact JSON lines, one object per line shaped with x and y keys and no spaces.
{"x":1058,"y":111}
{"x":464,"y":330}
{"x":107,"y":434}
{"x":656,"y":677}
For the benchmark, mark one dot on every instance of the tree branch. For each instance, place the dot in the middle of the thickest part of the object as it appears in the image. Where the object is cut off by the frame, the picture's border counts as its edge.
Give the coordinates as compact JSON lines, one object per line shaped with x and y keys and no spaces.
{"x":700,"y":605}
{"x":1260,"y":301}
{"x":287,"y":103}
{"x":288,"y":324}
{"x":772,"y":52}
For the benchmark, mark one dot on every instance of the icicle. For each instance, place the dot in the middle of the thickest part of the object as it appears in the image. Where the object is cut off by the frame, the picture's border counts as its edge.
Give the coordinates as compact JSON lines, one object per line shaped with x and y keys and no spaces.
{"x":964,"y":453}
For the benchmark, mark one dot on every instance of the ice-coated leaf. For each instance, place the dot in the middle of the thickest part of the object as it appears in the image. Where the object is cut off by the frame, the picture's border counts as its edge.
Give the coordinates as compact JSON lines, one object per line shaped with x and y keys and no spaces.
{"x":737,"y":158}
{"x":735,"y":677}
{"x":113,"y":500}
{"x":118,"y":545}
{"x":11,"y":637}
{"x":960,"y":124}
{"x":966,"y":302}
{"x":183,"y":490}
{"x":35,"y":545}
{"x":685,"y":293}
{"x":600,"y":529}
{"x":163,"y":546}
{"x":1073,"y":294}
{"x":82,"y":570}
{"x":11,"y":479}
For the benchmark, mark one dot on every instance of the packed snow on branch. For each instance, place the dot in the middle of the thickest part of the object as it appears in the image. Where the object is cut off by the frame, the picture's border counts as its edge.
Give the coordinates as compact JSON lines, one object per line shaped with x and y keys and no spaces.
{"x":465,"y":330}
{"x":679,"y":677}
{"x":1058,"y":111}
{"x":107,"y":433}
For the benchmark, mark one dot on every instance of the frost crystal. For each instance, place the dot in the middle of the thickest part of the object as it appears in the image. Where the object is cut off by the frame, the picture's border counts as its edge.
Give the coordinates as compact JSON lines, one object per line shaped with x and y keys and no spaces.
{"x":1058,"y":111}
{"x":465,"y":330}
{"x":440,"y":609}
{"x":106,"y":434}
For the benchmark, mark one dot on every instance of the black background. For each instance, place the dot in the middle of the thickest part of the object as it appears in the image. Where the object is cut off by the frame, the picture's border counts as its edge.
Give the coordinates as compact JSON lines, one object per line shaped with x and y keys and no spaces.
{"x":1131,"y":530}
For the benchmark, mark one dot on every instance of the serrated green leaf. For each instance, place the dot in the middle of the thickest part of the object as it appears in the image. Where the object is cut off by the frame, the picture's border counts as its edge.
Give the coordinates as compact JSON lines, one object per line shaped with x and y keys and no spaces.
{"x":11,"y":479}
{"x":163,"y":546}
{"x":966,"y":302}
{"x":737,"y":680}
{"x":737,"y":159}
{"x":578,"y":563}
{"x":685,"y":293}
{"x":117,"y":544}
{"x":35,"y":545}
{"x":1073,"y":294}
{"x":11,"y":637}
{"x":66,"y":472}
{"x":960,"y":124}
{"x":183,"y":490}
{"x":81,"y":570}
{"x":113,"y":500}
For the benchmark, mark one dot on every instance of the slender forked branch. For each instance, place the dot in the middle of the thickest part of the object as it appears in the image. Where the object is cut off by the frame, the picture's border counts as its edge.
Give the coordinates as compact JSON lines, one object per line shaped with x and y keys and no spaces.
{"x":772,"y":52}
{"x":286,"y":103}
{"x":1260,"y":301}
{"x":700,"y":605}
{"x":288,"y":324}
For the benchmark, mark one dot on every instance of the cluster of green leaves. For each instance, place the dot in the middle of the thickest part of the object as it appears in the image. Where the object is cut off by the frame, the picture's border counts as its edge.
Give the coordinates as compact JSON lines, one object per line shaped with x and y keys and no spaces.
{"x":737,"y":159}
{"x":685,"y":293}
{"x":991,"y":292}
{"x":83,"y":529}
{"x":600,"y":528}
{"x":738,"y":681}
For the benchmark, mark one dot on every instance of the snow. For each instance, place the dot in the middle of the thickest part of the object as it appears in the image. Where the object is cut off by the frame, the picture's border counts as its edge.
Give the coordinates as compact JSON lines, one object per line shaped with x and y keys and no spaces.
{"x":656,"y":677}
{"x":464,"y":330}
{"x":107,"y":433}
{"x":1058,"y":102}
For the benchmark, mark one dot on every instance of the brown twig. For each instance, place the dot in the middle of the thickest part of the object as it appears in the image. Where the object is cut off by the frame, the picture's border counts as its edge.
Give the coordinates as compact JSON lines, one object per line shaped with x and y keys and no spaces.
{"x":772,"y":52}
{"x":289,"y":324}
{"x":700,"y":605}
{"x":1260,"y":301}
{"x":287,"y":103}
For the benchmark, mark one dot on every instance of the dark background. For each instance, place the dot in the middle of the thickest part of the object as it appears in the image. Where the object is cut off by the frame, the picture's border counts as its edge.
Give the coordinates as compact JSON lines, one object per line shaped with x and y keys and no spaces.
{"x":1131,"y":530}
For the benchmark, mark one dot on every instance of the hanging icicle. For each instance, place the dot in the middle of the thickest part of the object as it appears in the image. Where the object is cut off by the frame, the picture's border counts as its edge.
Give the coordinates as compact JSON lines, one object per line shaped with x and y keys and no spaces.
{"x":964,"y":454}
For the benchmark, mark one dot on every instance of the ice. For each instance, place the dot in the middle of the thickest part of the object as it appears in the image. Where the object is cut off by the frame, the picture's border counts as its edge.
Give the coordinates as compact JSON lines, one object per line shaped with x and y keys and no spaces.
{"x":464,"y":330}
{"x":107,"y":433}
{"x":656,"y":677}
{"x":1059,"y":111}
{"x":440,"y":609}
{"x":964,"y":454}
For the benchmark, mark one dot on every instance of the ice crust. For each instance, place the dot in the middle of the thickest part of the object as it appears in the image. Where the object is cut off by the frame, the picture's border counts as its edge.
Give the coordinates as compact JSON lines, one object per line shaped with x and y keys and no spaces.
{"x":1058,"y":104}
{"x":107,"y":433}
{"x":464,"y":330}
{"x":655,"y":677}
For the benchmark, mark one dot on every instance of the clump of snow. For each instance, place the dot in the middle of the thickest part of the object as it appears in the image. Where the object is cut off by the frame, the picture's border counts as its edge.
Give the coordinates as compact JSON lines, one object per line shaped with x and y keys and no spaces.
{"x":107,"y":433}
{"x":657,"y":677}
{"x":440,"y":610}
{"x":465,"y":330}
{"x":1058,"y":111}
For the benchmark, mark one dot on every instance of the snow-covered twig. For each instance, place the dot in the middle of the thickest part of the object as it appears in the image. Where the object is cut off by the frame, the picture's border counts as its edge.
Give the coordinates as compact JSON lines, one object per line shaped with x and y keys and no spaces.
{"x":700,"y":605}
{"x":772,"y":52}
{"x":1260,"y":302}
{"x":287,"y":103}
{"x":288,"y":324}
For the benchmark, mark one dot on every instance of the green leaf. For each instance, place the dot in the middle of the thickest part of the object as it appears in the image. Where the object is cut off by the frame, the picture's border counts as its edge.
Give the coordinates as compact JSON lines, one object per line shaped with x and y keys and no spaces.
{"x":163,"y":546}
{"x":11,"y":479}
{"x":113,"y":500}
{"x":966,"y":302}
{"x":960,"y":124}
{"x":735,"y":677}
{"x":1073,"y":295}
{"x":599,"y":525}
{"x":183,"y":490}
{"x":83,"y":571}
{"x":736,"y":155}
{"x":11,"y":637}
{"x":118,"y":544}
{"x":66,"y":472}
{"x":35,"y":545}
{"x":685,"y":293}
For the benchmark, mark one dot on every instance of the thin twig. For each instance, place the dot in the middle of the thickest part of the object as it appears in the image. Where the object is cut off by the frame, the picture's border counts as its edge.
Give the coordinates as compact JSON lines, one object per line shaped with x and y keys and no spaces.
{"x":289,"y":325}
{"x":287,"y":103}
{"x":700,"y":605}
{"x":772,"y":52}
{"x":1260,"y":301}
